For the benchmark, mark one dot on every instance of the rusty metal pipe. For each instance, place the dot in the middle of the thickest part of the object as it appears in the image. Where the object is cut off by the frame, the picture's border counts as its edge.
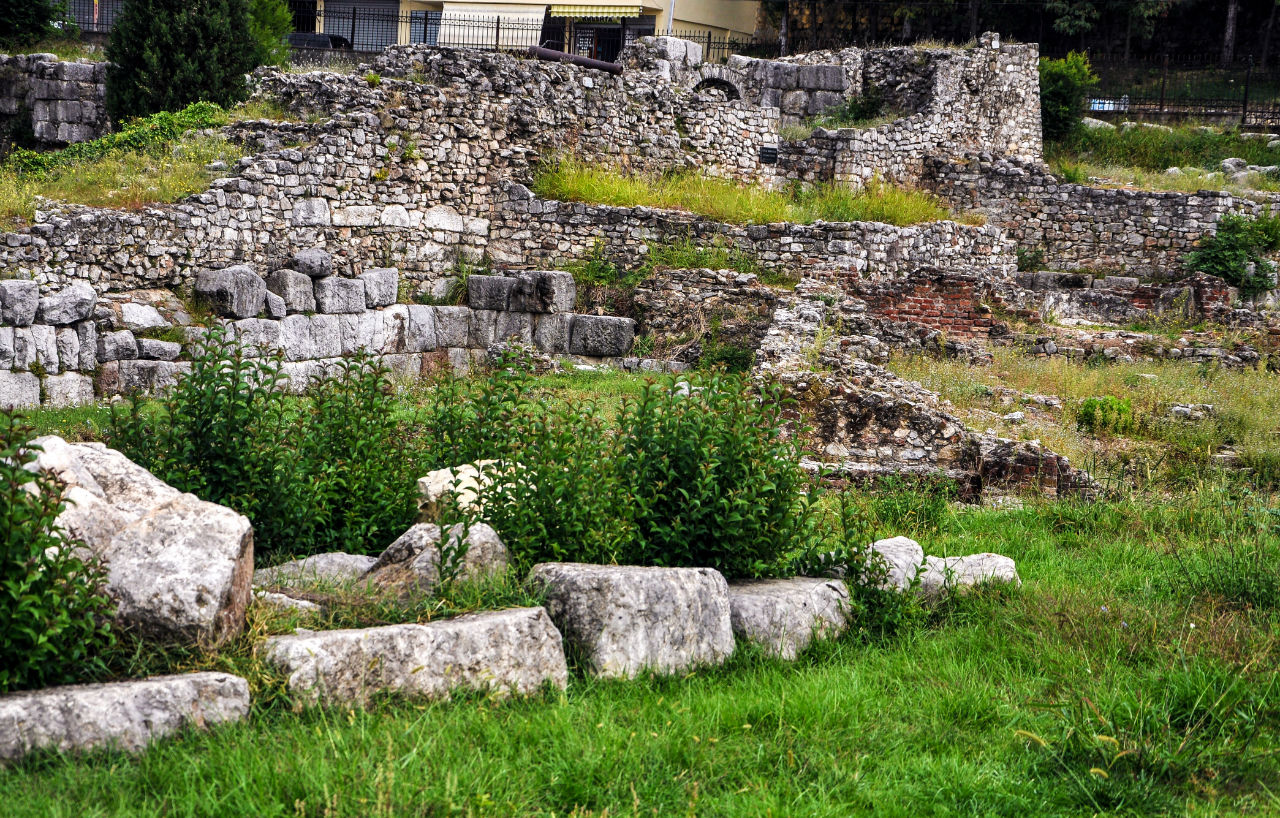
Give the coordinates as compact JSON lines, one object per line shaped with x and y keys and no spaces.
{"x":573,"y":59}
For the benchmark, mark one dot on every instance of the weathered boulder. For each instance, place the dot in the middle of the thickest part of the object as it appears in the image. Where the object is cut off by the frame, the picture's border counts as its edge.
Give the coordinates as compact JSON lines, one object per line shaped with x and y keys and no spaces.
{"x":68,"y":305}
{"x":335,"y":567}
{"x":503,"y":652}
{"x":462,"y":483}
{"x":122,"y":715}
{"x":182,"y":571}
{"x":336,"y":295}
{"x":628,"y":619}
{"x":784,"y":615}
{"x":601,"y":336}
{"x":956,"y":574}
{"x":381,"y":286}
{"x":19,"y":300}
{"x":412,"y":562}
{"x":902,"y":558}
{"x":315,"y":262}
{"x":295,"y":288}
{"x":234,"y":292}
{"x":141,"y":316}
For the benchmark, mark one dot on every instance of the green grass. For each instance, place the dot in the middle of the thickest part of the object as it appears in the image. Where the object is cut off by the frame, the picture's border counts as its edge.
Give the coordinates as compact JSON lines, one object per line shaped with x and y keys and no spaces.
{"x":1105,"y":657}
{"x":1152,"y":149}
{"x":65,"y":49}
{"x":125,"y":180}
{"x":727,"y":201}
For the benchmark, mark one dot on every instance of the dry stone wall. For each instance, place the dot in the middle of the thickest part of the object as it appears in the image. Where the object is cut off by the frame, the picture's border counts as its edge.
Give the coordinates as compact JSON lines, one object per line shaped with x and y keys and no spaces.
{"x":61,"y":102}
{"x":1133,"y":232}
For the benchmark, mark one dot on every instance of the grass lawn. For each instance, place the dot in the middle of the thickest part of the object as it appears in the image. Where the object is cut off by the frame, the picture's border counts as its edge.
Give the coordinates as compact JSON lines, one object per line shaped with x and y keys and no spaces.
{"x":1148,"y":699}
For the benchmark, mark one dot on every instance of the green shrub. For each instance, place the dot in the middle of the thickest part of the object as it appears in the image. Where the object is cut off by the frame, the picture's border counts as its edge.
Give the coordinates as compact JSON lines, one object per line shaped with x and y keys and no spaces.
{"x":26,"y":22}
{"x":1030,"y":259}
{"x":711,"y":480}
{"x":166,"y":54}
{"x":1064,"y":88}
{"x":53,"y":610}
{"x":731,"y":356}
{"x":270,"y":21}
{"x":1235,"y":252}
{"x":854,"y":112}
{"x":147,"y":135}
{"x":1107,"y":414}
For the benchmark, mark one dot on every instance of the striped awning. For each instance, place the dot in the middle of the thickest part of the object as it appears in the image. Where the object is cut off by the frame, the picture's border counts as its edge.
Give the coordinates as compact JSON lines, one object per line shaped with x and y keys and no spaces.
{"x":579,"y":12}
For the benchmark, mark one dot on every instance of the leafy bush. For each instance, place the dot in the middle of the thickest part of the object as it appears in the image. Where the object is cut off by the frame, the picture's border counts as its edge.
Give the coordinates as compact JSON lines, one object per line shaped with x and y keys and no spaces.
{"x":1235,"y":252}
{"x":335,"y":470}
{"x":25,"y":22}
{"x":1064,"y":88}
{"x":166,"y":54}
{"x":147,"y":135}
{"x":1105,"y":414}
{"x":52,"y":607}
{"x":854,"y":112}
{"x":1030,"y":260}
{"x":711,"y":480}
{"x":270,"y":21}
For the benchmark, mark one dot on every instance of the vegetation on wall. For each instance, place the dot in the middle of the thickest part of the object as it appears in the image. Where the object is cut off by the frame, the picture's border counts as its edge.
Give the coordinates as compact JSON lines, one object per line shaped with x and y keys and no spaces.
{"x":1237,"y":252}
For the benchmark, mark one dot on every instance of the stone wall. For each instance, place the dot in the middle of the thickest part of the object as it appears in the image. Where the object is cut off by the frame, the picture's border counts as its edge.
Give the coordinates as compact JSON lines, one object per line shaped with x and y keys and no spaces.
{"x":61,"y":102}
{"x":534,"y":232}
{"x":1121,"y":299}
{"x":951,"y":302}
{"x":1133,"y":232}
{"x":66,"y":348}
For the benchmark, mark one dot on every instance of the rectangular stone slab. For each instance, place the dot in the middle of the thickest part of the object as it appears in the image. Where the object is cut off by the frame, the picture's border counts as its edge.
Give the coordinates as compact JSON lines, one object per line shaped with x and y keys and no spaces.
{"x":503,"y":652}
{"x":784,"y":615}
{"x":123,"y":715}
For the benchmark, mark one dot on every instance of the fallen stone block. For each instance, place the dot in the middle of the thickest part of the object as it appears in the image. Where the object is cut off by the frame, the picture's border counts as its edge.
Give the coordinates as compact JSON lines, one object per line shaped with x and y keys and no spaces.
{"x":19,"y":301}
{"x":336,"y":295}
{"x":122,"y":715}
{"x":462,"y":483}
{"x":957,"y":574}
{"x":516,"y":651}
{"x":333,"y":567}
{"x":281,"y":601}
{"x":69,"y":305}
{"x":235,"y":292}
{"x":412,"y":563}
{"x":381,"y":286}
{"x":784,"y":615}
{"x":601,"y":336}
{"x":902,"y":558}
{"x":627,"y":619}
{"x":295,"y":288}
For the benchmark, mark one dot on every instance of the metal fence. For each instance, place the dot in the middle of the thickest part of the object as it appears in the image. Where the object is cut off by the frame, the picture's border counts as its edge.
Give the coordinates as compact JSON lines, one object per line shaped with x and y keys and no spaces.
{"x":1187,"y":86}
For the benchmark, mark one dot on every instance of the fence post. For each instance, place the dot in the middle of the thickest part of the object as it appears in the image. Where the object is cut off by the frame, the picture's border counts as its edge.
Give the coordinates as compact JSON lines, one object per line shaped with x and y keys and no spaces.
{"x":353,"y":26}
{"x":1164,"y":80}
{"x":708,"y":51}
{"x":497,"y":33}
{"x":1244,"y":105}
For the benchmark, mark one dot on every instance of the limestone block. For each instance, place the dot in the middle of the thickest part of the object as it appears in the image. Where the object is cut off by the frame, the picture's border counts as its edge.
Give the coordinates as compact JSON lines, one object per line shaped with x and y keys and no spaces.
{"x":443,"y":217}
{"x":122,"y":715}
{"x":394,"y":216}
{"x":551,"y":332}
{"x":315,"y":262}
{"x":44,"y":345}
{"x":275,"y":306}
{"x":69,"y":305}
{"x":68,"y":343}
{"x":514,"y":327}
{"x":516,"y":651}
{"x":453,"y":326}
{"x":483,"y":325}
{"x":326,"y":335}
{"x":141,"y":316}
{"x":234,"y":292}
{"x":823,"y":78}
{"x":543,"y":291}
{"x":363,"y":330}
{"x":87,"y":331}
{"x":19,"y":302}
{"x":903,"y":558}
{"x":295,"y":288}
{"x":412,"y":563}
{"x":117,"y":346}
{"x":285,"y":602}
{"x":145,"y":377}
{"x":334,"y":567}
{"x":784,"y":615}
{"x":311,"y":212}
{"x":257,"y":335}
{"x":489,"y":292}
{"x":421,"y":334}
{"x":295,"y":338}
{"x":6,"y":348}
{"x":821,"y":101}
{"x":181,"y":571}
{"x":129,"y":489}
{"x":626,"y":619}
{"x":600,"y":335}
{"x":956,"y":574}
{"x":337,"y":295}
{"x":463,"y":483}
{"x":152,"y":349}
{"x":19,"y":390}
{"x":381,"y":286}
{"x":68,"y":389}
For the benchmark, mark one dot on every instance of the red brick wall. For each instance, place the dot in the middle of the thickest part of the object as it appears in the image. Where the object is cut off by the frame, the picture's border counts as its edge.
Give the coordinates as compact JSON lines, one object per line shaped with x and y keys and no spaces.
{"x":951,"y":303}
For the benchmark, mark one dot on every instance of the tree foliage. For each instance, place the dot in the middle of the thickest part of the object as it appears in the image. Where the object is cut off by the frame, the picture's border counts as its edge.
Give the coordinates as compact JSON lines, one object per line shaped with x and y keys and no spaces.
{"x":269,"y":22}
{"x":1064,"y":88}
{"x":166,"y":54}
{"x":25,"y":22}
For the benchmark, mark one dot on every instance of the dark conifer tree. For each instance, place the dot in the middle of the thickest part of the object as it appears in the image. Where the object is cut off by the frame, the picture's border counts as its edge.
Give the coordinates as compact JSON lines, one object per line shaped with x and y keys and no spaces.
{"x":166,"y":54}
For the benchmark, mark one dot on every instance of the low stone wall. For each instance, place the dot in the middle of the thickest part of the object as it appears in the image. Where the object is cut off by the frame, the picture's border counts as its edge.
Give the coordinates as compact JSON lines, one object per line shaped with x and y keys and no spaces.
{"x":533,"y":232}
{"x":61,"y":102}
{"x":953,"y":303}
{"x":1119,"y":299}
{"x":66,"y":348}
{"x":1135,"y":232}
